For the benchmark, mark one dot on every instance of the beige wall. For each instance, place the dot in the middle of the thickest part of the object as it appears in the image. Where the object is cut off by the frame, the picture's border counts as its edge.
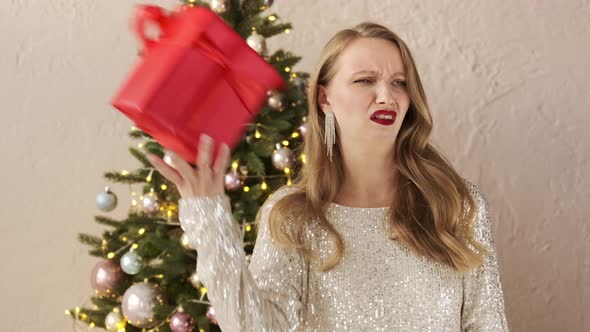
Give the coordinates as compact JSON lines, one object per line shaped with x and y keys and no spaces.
{"x":508,"y":82}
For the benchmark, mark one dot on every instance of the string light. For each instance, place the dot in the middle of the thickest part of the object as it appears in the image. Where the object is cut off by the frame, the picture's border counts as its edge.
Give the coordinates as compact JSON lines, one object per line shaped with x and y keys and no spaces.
{"x":285,"y":143}
{"x":287,"y":69}
{"x":257,"y":134}
{"x":264,"y":186}
{"x":272,"y":18}
{"x":124,"y":172}
{"x":287,"y":170}
{"x":295,"y":135}
{"x":248,"y":228}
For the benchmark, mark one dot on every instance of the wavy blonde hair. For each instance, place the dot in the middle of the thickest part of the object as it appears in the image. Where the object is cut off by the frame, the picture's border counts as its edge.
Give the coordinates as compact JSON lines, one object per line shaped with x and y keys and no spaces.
{"x":432,"y":212}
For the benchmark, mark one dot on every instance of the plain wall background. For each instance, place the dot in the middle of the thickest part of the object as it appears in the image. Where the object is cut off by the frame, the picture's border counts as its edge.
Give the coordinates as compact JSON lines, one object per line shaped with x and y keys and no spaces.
{"x":507,"y":81}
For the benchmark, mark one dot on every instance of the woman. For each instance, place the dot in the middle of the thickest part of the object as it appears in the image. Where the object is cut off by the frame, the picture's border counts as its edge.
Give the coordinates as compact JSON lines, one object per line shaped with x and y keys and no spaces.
{"x":379,"y":233}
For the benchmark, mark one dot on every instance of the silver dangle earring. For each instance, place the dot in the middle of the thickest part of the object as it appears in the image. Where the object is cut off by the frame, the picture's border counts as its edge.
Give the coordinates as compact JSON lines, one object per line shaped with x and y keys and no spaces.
{"x":330,"y":132}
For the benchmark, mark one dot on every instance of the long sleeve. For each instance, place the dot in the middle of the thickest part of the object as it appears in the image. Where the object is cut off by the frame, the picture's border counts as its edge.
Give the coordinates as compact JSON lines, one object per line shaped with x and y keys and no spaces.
{"x":262,"y":296}
{"x":483,"y":298}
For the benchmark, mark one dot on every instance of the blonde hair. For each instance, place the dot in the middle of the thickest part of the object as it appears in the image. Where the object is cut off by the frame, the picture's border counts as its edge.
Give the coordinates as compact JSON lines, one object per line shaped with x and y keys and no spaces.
{"x":432,"y":212}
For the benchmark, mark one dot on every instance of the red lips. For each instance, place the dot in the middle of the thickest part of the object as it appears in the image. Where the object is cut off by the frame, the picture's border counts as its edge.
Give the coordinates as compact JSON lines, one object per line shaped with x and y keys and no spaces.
{"x":382,"y":121}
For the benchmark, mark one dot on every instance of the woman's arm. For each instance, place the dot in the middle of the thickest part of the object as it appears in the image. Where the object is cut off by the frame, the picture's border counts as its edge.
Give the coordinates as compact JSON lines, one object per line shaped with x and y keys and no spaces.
{"x":264,"y":296}
{"x":483,"y":298}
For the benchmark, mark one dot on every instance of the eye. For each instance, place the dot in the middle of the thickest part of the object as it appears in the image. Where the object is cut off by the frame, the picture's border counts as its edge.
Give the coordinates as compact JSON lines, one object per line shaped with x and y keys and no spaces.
{"x":363,"y":80}
{"x":402,"y":83}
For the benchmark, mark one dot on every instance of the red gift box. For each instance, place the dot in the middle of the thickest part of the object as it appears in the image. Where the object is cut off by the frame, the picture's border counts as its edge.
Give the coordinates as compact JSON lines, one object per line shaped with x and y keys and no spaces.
{"x":199,"y":76}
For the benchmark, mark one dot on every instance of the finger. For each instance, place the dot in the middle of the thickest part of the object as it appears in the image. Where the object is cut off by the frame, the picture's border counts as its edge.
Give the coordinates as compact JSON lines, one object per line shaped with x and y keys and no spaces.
{"x":166,"y":171}
{"x":205,"y":148}
{"x":185,"y":170}
{"x":222,"y":160}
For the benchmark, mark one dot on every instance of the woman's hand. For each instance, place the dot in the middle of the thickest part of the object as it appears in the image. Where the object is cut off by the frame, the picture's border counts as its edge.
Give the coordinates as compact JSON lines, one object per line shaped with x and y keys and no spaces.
{"x":203,"y":181}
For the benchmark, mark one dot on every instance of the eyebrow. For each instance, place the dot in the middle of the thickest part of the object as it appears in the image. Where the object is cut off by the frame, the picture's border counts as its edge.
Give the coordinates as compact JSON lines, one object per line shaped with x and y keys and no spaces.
{"x":375,"y":73}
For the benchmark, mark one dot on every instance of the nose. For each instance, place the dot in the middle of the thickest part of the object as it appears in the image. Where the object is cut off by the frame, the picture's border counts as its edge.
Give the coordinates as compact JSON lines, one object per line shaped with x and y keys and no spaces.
{"x":385,"y":95}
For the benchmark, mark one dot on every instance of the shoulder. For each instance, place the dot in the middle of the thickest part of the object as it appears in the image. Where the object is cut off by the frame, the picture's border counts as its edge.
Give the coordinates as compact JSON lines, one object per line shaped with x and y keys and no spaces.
{"x":482,"y":223}
{"x":282,"y":192}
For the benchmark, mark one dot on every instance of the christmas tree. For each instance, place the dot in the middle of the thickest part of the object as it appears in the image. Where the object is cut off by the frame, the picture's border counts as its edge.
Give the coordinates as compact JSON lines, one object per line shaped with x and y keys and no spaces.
{"x":146,"y":277}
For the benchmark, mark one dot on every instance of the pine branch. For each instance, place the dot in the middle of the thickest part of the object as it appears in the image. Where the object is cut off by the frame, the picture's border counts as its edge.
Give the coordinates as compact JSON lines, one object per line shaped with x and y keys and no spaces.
{"x":140,"y":156}
{"x":107,"y":221}
{"x":90,"y":240}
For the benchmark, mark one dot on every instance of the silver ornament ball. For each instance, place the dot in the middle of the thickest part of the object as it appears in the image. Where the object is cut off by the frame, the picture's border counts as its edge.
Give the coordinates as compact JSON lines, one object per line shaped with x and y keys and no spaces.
{"x":106,"y":200}
{"x":131,"y":263}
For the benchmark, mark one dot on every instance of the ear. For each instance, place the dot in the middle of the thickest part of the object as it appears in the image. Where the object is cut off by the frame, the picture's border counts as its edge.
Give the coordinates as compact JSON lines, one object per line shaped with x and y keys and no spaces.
{"x":323,"y":98}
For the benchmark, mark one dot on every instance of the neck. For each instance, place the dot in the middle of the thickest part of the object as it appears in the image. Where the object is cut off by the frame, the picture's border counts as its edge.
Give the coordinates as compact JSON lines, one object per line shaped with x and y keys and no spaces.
{"x":368,"y":181}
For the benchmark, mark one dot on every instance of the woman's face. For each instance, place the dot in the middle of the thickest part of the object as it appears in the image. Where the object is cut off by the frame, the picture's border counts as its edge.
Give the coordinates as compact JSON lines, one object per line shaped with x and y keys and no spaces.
{"x":369,"y":77}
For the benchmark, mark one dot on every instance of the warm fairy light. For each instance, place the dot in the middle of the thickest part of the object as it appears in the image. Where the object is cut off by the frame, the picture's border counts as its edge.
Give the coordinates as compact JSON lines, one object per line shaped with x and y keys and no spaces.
{"x":134,"y":203}
{"x":272,"y":18}
{"x":248,"y":228}
{"x":287,"y":30}
{"x":111,"y":255}
{"x":289,"y":182}
{"x":124,"y":172}
{"x":287,"y":170}
{"x":295,"y":134}
{"x":285,"y":143}
{"x":141,"y":231}
{"x":234,"y":165}
{"x":163,"y":187}
{"x":68,"y":312}
{"x":263,"y":186}
{"x":303,"y":159}
{"x":184,"y":240}
{"x":91,"y":324}
{"x":257,"y":134}
{"x":134,"y":246}
{"x":134,"y":128}
{"x":287,"y":69}
{"x":203,"y":291}
{"x":246,"y":189}
{"x":124,"y":238}
{"x":140,"y":145}
{"x":149,"y":178}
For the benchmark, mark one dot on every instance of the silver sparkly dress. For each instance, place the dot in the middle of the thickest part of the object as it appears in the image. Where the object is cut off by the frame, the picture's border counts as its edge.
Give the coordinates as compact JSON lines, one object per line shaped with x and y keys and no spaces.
{"x":377,"y":286}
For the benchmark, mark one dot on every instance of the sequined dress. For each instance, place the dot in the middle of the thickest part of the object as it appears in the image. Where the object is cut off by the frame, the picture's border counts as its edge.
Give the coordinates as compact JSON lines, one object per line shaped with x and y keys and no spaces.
{"x":377,"y":286}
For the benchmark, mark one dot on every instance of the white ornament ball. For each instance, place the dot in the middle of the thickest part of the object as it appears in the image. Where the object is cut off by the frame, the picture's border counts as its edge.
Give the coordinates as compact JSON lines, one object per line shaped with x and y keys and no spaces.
{"x":220,"y":6}
{"x":115,"y":321}
{"x":195,"y":281}
{"x":138,"y":304}
{"x":257,"y":42}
